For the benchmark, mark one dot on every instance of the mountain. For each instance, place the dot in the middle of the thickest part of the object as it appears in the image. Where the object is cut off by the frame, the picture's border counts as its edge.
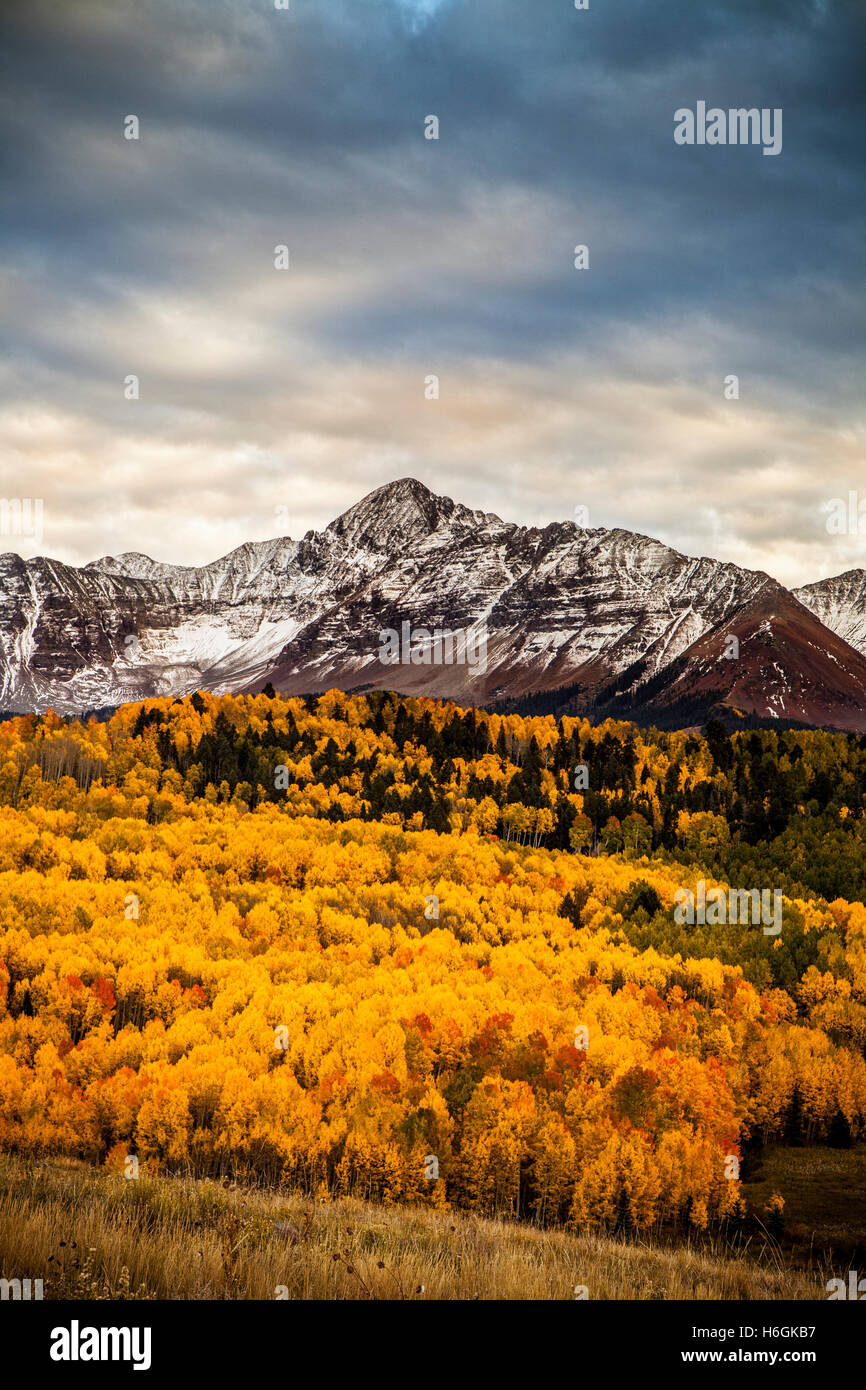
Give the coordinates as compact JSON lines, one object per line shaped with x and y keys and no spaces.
{"x":840,"y":604}
{"x":605,"y":621}
{"x":788,"y":667}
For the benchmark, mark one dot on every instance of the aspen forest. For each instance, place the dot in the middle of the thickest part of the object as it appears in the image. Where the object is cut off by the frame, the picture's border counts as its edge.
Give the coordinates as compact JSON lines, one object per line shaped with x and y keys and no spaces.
{"x":360,"y":947}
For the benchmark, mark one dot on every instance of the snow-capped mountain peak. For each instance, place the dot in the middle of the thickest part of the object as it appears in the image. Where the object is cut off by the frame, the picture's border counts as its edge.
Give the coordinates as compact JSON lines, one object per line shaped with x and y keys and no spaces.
{"x":605,"y":620}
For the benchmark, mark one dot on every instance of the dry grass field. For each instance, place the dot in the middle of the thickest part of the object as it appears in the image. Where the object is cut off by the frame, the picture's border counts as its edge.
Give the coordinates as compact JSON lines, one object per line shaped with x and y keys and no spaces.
{"x":94,"y":1235}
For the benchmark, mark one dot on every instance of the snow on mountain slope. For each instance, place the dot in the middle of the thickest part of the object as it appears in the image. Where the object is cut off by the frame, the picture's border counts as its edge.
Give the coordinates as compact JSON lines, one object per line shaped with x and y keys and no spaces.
{"x":840,"y":604}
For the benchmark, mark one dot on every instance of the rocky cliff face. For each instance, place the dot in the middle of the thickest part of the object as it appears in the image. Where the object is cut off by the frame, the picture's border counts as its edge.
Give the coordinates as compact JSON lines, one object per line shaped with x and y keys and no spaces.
{"x":614,"y":620}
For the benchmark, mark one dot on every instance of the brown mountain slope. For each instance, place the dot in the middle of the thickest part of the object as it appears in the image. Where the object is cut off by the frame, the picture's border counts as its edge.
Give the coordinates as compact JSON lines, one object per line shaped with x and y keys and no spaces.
{"x":788,"y":666}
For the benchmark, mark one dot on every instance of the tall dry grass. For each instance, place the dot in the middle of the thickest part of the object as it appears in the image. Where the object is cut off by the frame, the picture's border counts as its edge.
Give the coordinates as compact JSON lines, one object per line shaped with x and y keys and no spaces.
{"x":89,"y":1234}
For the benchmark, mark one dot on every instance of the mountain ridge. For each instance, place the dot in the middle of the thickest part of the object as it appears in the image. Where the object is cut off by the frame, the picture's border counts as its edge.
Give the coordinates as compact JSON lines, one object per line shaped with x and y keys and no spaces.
{"x":622,"y":617}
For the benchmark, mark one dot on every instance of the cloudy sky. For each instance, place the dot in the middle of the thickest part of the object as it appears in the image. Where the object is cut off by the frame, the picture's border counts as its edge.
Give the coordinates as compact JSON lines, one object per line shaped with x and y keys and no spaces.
{"x":263,"y":389}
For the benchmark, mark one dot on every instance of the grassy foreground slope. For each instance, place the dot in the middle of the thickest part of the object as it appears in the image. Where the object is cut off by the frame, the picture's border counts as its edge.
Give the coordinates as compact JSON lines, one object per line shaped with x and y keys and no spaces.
{"x":94,"y":1235}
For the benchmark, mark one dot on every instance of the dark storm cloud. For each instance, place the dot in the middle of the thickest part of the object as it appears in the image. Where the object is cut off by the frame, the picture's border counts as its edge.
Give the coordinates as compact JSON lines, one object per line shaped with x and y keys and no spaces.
{"x":453,"y":256}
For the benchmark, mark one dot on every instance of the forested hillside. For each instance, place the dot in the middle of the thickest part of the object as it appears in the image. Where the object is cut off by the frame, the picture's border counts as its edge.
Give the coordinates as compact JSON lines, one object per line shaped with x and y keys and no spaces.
{"x":385,"y":948}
